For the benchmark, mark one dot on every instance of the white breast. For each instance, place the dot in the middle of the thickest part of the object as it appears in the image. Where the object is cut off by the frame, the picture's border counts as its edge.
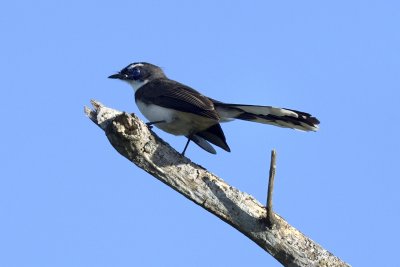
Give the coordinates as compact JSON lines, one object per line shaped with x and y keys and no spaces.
{"x":155,"y":113}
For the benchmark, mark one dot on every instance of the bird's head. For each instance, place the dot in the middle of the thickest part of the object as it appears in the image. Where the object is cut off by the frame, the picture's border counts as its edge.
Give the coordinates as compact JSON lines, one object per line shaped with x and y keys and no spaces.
{"x":138,"y":74}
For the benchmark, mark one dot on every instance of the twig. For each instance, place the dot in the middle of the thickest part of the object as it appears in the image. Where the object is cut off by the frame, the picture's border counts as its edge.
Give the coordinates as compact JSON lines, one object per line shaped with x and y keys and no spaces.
{"x":272,"y":170}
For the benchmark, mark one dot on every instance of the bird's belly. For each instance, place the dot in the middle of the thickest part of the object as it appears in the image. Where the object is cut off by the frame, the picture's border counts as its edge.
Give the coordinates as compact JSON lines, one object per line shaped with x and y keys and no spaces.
{"x":175,"y":122}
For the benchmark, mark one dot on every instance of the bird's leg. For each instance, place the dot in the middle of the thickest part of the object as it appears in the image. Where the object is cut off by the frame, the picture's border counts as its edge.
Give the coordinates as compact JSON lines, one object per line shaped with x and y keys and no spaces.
{"x":150,"y":123}
{"x":186,"y":146}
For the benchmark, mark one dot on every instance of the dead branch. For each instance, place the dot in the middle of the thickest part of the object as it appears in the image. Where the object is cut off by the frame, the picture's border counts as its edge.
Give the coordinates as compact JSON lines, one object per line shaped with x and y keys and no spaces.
{"x":272,"y":171}
{"x":133,"y":139}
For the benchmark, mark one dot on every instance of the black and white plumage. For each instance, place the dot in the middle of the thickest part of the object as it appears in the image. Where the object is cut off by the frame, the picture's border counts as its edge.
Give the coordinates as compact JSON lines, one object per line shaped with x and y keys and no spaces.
{"x":180,"y":110}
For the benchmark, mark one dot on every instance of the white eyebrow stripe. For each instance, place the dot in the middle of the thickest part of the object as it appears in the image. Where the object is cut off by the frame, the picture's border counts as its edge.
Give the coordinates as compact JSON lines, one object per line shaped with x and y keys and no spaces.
{"x":135,"y":65}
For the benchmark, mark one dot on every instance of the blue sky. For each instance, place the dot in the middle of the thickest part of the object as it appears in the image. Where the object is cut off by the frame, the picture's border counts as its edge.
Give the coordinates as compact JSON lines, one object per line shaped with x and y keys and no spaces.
{"x":67,"y":198}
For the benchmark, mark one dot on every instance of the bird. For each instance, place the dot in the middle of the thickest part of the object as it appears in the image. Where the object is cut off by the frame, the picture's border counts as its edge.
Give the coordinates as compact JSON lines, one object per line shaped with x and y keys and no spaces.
{"x":181,"y":110}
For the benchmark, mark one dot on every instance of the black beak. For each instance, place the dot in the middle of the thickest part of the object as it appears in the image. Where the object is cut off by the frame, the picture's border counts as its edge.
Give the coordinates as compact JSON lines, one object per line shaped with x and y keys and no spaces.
{"x":118,"y":76}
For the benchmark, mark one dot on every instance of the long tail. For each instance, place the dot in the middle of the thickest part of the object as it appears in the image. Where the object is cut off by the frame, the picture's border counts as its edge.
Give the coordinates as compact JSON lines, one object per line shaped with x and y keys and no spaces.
{"x":281,"y":117}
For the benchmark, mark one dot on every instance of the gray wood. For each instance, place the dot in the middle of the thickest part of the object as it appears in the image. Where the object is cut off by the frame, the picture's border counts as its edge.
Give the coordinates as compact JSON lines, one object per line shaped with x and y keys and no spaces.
{"x":132,"y":139}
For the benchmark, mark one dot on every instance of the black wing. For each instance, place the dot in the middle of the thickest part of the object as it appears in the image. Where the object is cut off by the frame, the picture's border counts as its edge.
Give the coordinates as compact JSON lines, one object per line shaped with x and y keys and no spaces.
{"x":171,"y":94}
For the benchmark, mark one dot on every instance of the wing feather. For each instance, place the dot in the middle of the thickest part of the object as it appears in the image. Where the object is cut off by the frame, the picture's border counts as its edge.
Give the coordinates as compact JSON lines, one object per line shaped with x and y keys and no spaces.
{"x":171,"y":94}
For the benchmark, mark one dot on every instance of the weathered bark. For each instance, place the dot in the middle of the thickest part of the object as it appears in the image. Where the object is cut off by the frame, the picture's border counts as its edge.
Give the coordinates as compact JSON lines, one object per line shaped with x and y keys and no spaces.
{"x":132,"y":139}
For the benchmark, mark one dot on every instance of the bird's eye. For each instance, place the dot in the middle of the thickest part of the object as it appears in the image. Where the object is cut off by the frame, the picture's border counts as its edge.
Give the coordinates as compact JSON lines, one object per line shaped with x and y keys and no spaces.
{"x":135,"y":73}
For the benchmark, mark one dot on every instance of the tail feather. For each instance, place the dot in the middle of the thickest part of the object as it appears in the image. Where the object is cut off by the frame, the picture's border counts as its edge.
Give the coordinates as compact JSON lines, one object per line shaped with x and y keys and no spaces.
{"x":281,"y":117}
{"x":215,"y":136}
{"x":201,"y":142}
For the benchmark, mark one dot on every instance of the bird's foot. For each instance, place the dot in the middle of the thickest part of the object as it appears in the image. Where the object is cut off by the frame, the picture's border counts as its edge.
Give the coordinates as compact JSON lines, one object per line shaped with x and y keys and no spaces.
{"x":149,"y":125}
